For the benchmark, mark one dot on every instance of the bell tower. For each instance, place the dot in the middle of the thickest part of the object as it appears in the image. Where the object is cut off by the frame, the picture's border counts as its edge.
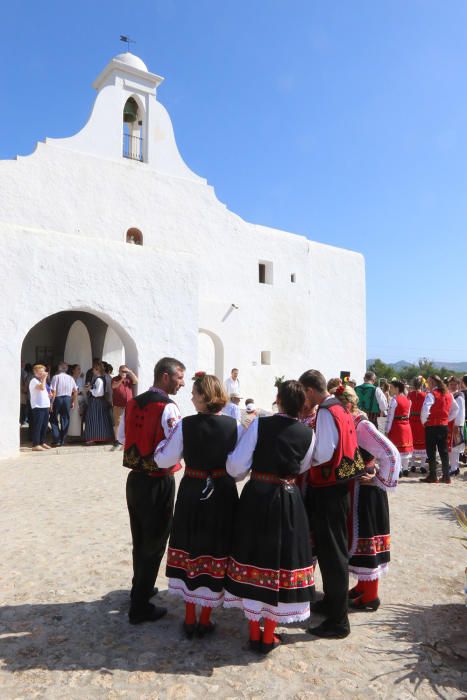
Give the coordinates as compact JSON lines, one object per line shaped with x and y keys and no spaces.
{"x":128,"y":123}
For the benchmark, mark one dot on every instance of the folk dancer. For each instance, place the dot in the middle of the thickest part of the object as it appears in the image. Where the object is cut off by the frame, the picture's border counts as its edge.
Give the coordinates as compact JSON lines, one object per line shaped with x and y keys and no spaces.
{"x":369,"y":549}
{"x":207,"y":499}
{"x":270,"y":573}
{"x":336,"y":462}
{"x":438,"y":410}
{"x":398,"y":428}
{"x":371,"y":398}
{"x":456,"y":442}
{"x":150,"y":491}
{"x":417,"y":397}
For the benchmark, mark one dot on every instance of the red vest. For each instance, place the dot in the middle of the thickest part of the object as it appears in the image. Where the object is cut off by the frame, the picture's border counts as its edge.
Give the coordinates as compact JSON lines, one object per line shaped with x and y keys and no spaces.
{"x":346,"y":462}
{"x":439,"y":411}
{"x":401,"y":432}
{"x":143,"y":432}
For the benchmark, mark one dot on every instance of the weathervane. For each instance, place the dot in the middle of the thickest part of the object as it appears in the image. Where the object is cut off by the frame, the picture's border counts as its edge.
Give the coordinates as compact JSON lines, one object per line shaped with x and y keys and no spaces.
{"x":127,"y":40}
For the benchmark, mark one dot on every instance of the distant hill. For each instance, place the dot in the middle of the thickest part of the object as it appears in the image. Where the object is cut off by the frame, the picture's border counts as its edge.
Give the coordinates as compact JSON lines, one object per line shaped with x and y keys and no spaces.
{"x":453,"y":366}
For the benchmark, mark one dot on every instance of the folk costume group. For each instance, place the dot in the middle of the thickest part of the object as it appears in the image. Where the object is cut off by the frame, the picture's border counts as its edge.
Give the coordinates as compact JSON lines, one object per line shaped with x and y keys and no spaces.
{"x":254,"y":552}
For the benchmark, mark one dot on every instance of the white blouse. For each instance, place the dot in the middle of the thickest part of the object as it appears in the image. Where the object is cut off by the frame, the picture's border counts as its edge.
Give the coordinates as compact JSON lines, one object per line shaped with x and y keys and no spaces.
{"x":240,"y":460}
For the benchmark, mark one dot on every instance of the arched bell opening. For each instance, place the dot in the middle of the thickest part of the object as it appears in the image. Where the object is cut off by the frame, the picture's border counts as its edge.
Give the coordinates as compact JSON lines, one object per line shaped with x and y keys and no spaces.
{"x":133,"y":146}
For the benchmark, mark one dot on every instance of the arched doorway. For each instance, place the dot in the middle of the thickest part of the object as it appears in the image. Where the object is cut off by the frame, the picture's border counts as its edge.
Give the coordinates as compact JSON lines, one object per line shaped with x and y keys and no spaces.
{"x":210,"y":353}
{"x":77,"y":336}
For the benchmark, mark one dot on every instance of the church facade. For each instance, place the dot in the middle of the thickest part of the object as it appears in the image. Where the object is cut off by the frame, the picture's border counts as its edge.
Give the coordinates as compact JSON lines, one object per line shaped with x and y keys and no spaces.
{"x":114,"y":248}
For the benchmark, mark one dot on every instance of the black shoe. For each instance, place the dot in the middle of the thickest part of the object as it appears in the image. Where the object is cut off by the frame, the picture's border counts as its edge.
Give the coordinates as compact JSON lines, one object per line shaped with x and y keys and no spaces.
{"x":149,"y":614}
{"x":358,"y":604}
{"x":423,"y":470}
{"x":266,"y":648}
{"x":189,"y":630}
{"x":413,"y":468}
{"x":320,"y":607}
{"x":445,"y":480}
{"x":405,"y":472}
{"x":328,"y":630}
{"x":255,"y":644}
{"x":203,"y":630}
{"x":429,"y":479}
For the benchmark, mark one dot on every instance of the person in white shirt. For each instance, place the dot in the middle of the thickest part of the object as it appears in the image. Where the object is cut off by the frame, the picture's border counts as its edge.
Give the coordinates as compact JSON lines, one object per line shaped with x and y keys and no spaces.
{"x":65,"y":391}
{"x":458,"y":443}
{"x":40,"y":406}
{"x":232,"y":383}
{"x":232,"y":408}
{"x":98,"y":423}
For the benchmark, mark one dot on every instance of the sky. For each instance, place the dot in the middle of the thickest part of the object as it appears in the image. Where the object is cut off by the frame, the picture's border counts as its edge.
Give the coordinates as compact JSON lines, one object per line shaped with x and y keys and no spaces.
{"x":344,"y":121}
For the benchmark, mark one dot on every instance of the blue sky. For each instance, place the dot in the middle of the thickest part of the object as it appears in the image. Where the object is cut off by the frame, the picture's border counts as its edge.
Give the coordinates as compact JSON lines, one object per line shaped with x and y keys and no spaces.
{"x":344,"y":121}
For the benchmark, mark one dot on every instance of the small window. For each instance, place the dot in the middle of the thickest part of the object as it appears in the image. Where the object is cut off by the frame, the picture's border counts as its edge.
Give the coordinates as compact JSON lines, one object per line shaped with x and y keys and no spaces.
{"x":265,"y":272}
{"x":293,"y":278}
{"x":134,"y":236}
{"x":265,"y":357}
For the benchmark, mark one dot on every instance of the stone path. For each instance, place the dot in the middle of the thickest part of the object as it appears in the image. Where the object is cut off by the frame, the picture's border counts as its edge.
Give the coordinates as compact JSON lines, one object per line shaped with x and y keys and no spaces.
{"x":64,"y":577}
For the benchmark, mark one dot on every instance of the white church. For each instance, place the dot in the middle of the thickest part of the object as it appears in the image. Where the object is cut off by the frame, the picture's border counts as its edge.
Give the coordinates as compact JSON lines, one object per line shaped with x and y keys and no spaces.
{"x":114,"y":248}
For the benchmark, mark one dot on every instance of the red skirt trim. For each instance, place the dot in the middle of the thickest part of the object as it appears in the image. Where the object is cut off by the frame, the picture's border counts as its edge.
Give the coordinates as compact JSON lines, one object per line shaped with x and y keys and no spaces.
{"x":199,"y":566}
{"x":273,"y":579}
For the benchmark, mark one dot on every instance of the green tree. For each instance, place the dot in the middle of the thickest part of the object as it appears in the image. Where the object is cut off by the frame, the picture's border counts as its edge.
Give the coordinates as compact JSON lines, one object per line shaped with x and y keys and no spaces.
{"x":381,"y":369}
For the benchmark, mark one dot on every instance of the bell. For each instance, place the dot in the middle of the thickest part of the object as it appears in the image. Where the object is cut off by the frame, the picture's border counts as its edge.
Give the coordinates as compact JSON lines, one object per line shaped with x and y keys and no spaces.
{"x":130,"y":111}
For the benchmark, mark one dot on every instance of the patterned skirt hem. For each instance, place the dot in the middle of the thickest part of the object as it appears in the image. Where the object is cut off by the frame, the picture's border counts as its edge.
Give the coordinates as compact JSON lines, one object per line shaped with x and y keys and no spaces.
{"x":200,"y":596}
{"x":283,"y":614}
{"x":364,"y":574}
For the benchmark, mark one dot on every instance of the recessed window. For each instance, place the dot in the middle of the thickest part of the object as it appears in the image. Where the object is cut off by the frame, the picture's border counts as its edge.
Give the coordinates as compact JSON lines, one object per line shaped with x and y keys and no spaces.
{"x":293,"y":278}
{"x":265,"y":272}
{"x":134,"y":236}
{"x":265,"y":357}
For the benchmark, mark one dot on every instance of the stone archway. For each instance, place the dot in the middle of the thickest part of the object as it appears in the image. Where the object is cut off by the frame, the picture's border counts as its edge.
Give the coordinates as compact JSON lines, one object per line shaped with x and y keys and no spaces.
{"x":77,"y":336}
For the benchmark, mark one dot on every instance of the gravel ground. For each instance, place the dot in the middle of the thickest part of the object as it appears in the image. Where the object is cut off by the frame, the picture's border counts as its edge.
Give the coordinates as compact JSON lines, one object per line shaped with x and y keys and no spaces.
{"x":64,"y":587}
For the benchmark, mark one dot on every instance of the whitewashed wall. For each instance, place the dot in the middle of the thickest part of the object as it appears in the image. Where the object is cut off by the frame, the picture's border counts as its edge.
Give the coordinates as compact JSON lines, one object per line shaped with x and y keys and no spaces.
{"x":64,"y":215}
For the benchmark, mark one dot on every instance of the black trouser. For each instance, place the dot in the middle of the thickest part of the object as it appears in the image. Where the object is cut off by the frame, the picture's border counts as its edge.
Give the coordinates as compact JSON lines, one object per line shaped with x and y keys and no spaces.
{"x":150,"y":503}
{"x":328,"y":508}
{"x":40,"y":419}
{"x":436,"y":436}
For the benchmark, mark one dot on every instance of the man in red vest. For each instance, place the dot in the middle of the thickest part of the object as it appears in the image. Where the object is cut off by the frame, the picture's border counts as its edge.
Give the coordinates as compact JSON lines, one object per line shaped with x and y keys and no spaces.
{"x":150,"y":491}
{"x":336,"y":461}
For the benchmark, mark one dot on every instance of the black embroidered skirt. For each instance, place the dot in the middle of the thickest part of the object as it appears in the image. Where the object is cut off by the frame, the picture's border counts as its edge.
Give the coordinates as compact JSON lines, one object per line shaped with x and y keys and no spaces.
{"x":201,"y":539}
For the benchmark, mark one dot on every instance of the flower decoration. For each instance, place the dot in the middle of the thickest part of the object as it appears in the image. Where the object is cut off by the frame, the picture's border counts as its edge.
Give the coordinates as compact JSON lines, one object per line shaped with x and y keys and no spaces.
{"x":198,"y":375}
{"x":340,"y":389}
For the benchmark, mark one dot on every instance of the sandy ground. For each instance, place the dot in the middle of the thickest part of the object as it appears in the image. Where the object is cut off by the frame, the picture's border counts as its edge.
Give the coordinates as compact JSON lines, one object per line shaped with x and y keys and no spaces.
{"x":64,"y":586}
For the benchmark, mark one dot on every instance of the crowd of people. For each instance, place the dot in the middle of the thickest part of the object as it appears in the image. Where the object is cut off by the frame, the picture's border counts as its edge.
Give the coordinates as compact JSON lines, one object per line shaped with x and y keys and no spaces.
{"x":72,"y":404}
{"x":320,"y":467}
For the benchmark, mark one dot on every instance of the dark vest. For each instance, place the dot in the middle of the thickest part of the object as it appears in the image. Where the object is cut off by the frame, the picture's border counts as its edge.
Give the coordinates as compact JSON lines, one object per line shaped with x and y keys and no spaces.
{"x":143,"y":432}
{"x":207,"y":440}
{"x":282,"y":444}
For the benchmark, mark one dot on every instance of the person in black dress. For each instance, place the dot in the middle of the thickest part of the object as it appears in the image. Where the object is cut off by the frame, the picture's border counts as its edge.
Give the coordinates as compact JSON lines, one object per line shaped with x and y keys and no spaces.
{"x":201,"y":534}
{"x":270,"y":573}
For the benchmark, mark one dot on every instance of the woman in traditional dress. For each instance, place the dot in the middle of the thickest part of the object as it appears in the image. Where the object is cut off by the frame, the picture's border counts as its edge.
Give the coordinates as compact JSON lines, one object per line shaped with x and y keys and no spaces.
{"x":270,"y":573}
{"x":417,"y":397}
{"x":398,"y":428}
{"x":76,"y":413}
{"x":201,"y":534}
{"x":98,"y":426}
{"x":369,"y":551}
